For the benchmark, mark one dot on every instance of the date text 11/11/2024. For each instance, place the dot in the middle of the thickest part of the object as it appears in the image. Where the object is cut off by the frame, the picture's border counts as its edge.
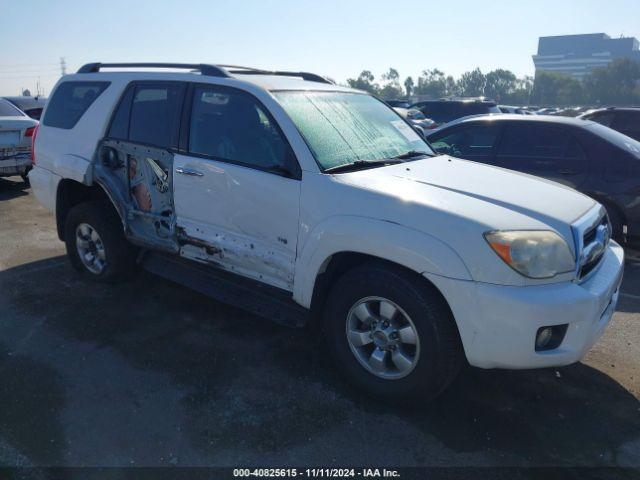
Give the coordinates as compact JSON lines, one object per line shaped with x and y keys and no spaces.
{"x":316,"y":472}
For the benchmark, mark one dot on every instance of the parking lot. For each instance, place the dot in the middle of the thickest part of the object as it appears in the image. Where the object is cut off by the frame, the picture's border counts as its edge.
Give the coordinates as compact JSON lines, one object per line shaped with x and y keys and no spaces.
{"x":150,"y":373}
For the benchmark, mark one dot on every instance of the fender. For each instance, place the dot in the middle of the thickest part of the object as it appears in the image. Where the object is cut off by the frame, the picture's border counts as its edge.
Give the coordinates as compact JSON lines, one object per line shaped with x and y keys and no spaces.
{"x":410,"y":248}
{"x":73,"y":167}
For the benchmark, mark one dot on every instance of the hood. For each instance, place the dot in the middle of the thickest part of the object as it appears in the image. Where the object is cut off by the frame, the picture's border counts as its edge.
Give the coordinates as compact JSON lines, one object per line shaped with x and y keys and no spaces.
{"x":487,"y":196}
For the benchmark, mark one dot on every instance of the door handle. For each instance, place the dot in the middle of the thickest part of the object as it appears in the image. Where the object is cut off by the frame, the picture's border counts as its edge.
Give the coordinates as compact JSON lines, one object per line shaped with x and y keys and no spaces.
{"x":189,"y":171}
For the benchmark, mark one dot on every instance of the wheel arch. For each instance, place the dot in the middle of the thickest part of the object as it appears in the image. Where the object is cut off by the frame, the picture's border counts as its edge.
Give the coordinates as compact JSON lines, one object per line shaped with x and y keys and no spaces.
{"x":341,"y":243}
{"x":71,"y":193}
{"x":610,"y":205}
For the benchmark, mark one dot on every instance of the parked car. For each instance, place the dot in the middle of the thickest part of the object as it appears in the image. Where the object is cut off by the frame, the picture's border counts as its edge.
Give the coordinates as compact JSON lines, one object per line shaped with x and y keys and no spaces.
{"x":417,"y":118}
{"x":398,"y":103}
{"x":512,"y":109}
{"x":16,"y":131}
{"x":304,"y":201}
{"x":32,"y":106}
{"x":623,"y":119}
{"x":584,"y":155}
{"x":547,"y":111}
{"x":446,"y":110}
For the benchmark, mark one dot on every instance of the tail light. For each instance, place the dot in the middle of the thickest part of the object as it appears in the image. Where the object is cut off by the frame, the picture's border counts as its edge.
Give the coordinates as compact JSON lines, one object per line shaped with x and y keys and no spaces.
{"x":32,"y":134}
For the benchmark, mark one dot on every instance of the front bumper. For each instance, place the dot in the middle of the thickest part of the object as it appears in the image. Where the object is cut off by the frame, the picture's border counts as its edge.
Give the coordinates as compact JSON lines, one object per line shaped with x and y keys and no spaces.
{"x":498,"y":324}
{"x":15,"y":166}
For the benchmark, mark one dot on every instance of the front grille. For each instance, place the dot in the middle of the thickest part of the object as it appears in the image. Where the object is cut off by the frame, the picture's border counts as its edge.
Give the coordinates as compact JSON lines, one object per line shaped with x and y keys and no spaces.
{"x":594,"y":241}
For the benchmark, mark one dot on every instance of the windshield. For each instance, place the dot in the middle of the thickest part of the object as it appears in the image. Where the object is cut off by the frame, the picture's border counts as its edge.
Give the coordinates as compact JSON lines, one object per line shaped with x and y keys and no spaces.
{"x":342,"y":128}
{"x":618,"y":139}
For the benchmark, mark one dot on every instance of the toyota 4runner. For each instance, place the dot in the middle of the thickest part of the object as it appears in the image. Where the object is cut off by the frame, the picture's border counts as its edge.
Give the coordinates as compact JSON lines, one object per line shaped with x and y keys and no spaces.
{"x":308,"y":202}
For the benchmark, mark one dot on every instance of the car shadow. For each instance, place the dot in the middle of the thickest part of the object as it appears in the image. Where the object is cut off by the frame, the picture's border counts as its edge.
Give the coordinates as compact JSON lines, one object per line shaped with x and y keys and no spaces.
{"x":12,"y":189}
{"x":251,"y":390}
{"x":629,"y":301}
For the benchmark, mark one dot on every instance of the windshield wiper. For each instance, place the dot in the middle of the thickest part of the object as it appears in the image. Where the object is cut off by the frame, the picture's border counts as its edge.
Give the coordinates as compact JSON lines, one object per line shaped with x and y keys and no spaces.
{"x":413,"y":154}
{"x":363,"y":164}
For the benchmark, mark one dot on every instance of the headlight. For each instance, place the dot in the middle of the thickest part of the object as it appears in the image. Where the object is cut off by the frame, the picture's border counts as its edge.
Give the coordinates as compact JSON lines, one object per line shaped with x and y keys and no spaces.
{"x":534,"y":254}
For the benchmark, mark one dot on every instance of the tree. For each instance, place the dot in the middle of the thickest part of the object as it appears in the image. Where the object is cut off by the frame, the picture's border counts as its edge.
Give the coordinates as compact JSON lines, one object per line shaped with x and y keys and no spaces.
{"x":521,"y":93}
{"x":499,"y":84}
{"x":615,"y":84}
{"x":408,"y":86}
{"x":433,"y":84}
{"x":551,"y":88}
{"x":471,"y":84}
{"x":365,"y":81}
{"x":391,"y":87}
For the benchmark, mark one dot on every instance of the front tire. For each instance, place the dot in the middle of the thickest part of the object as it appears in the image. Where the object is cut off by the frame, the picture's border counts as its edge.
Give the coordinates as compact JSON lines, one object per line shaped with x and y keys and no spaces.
{"x":96,"y":245}
{"x":392,"y":333}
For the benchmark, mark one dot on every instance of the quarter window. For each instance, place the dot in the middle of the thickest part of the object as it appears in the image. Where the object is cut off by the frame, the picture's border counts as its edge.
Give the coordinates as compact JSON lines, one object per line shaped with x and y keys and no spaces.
{"x":69,"y":102}
{"x":231,"y":125}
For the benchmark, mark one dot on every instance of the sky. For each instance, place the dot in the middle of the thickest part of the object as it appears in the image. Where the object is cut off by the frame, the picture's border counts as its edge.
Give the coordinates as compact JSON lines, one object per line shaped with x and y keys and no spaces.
{"x":331,"y":37}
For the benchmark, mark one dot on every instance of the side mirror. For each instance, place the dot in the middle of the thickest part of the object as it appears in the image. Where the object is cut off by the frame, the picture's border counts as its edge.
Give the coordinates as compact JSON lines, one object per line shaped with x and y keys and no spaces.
{"x":419,"y":131}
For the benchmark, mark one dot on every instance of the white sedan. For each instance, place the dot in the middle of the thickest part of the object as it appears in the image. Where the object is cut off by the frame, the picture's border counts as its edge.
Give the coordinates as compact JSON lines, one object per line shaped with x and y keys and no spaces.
{"x":16,"y":132}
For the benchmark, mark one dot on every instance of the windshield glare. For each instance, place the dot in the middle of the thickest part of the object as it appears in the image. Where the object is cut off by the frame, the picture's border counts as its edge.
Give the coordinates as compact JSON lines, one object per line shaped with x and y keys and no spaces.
{"x":342,"y":128}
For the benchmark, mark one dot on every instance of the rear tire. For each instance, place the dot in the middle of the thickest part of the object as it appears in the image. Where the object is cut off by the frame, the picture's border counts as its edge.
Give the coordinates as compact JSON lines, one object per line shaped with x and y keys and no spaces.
{"x":96,"y":245}
{"x":432,"y":359}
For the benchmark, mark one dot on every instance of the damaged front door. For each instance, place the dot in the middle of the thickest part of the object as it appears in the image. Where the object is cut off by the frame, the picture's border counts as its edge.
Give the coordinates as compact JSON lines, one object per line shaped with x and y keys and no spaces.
{"x":135,"y":164}
{"x":237,"y":187}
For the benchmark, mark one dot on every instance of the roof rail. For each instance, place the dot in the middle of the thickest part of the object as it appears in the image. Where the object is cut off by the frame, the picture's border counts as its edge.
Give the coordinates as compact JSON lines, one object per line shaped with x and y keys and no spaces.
{"x":204,"y":69}
{"x":308,"y":76}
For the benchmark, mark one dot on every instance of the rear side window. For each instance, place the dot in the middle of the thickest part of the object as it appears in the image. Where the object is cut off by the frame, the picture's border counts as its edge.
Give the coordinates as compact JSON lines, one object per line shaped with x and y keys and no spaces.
{"x":70,"y":101}
{"x":155,"y":115}
{"x":627,"y":121}
{"x":603,"y":118}
{"x":8,"y":110}
{"x":535,"y":141}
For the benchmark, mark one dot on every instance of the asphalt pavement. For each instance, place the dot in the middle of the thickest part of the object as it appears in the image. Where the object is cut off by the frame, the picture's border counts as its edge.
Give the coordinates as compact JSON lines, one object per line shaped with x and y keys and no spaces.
{"x":148,"y":373}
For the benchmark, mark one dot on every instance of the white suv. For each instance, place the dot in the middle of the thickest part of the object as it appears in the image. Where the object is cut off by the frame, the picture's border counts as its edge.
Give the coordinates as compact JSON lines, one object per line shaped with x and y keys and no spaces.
{"x":308,"y":202}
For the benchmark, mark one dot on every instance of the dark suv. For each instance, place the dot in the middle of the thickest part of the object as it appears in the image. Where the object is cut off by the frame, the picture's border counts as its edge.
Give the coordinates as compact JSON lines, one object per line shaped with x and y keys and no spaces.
{"x":624,"y":120}
{"x":446,"y":110}
{"x":582,"y":154}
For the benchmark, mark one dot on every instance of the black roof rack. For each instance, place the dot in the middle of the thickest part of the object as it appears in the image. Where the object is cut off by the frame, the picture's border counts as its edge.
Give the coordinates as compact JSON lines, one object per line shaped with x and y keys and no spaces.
{"x":206,"y":69}
{"x":311,"y":77}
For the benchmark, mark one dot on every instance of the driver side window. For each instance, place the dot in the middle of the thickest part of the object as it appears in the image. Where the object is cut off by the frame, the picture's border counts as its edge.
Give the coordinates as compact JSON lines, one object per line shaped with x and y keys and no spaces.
{"x":466,"y":141}
{"x":231,"y":125}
